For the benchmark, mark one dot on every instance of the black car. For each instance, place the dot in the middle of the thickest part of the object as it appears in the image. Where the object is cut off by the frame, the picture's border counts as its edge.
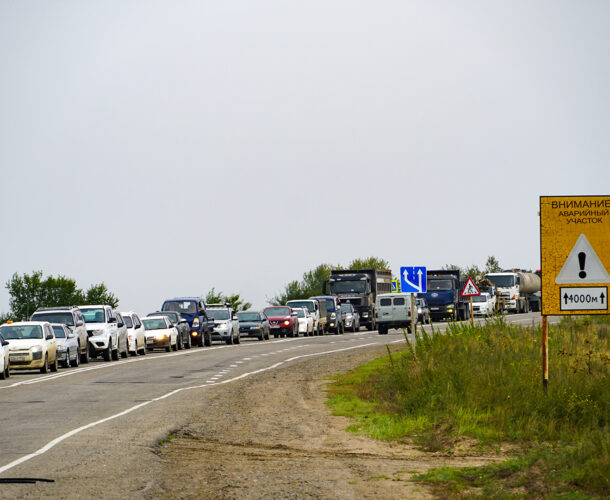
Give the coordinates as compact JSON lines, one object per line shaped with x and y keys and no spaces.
{"x":253,"y":324}
{"x":181,"y":324}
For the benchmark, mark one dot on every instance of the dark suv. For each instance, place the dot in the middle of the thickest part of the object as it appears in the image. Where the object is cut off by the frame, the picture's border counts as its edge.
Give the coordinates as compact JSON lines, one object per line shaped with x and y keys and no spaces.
{"x":334,"y":322}
{"x":72,"y":317}
{"x":192,"y":309}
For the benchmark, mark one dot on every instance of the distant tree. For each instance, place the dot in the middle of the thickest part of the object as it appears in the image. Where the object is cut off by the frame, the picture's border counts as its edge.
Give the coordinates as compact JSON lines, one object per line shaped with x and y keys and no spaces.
{"x":310,"y":285}
{"x":236,"y":303}
{"x":451,"y":267}
{"x":4,"y":317}
{"x":99,"y":294}
{"x":473,"y":271}
{"x":29,"y":292}
{"x":492,"y":265}
{"x":214,"y":297}
{"x":292,"y":291}
{"x":369,"y":263}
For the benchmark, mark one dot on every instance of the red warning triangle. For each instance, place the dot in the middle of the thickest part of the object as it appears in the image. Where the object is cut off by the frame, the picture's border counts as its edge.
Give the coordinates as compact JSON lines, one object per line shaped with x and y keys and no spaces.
{"x":469,"y":289}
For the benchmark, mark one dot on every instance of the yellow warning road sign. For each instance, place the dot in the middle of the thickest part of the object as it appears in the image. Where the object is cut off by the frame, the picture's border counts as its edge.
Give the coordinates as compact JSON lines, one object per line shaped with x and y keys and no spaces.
{"x":575,"y":254}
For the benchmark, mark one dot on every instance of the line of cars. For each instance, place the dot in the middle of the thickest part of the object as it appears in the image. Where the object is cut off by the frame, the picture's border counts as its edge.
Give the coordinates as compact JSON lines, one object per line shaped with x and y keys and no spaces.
{"x":71,"y":335}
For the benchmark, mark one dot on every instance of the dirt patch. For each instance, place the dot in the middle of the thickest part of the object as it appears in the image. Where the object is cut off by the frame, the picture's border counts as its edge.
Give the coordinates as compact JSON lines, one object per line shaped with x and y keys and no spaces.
{"x":272,"y":436}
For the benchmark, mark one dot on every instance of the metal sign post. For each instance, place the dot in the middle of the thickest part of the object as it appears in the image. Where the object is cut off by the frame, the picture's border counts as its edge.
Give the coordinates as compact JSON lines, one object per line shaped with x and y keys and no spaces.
{"x":574,"y":259}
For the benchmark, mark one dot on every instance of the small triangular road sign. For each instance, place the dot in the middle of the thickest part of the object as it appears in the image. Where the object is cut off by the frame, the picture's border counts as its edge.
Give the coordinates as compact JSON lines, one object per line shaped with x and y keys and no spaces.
{"x":582,"y":265}
{"x":469,"y":289}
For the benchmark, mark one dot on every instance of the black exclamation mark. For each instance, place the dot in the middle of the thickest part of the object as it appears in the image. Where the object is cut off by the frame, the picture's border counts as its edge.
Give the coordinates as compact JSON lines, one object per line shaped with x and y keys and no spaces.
{"x":581,"y":261}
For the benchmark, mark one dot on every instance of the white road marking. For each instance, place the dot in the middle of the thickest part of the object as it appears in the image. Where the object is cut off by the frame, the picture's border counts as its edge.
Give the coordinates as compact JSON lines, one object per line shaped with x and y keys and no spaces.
{"x":73,"y":432}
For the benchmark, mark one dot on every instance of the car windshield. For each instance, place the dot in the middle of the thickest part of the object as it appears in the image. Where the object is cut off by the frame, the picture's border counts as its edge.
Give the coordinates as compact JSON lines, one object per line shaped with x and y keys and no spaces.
{"x":128,"y":322}
{"x":308,"y":304}
{"x":218,"y":313}
{"x":60,"y":333}
{"x":248,"y":317}
{"x":277,"y":311}
{"x":94,"y":315}
{"x":502,"y":280}
{"x":181,"y":306}
{"x":21,"y":332}
{"x":347,"y":308}
{"x":173,"y":317}
{"x":55,"y":317}
{"x":439,"y":285}
{"x":154,"y":324}
{"x":419,"y":302}
{"x":300,"y":313}
{"x":337,"y":287}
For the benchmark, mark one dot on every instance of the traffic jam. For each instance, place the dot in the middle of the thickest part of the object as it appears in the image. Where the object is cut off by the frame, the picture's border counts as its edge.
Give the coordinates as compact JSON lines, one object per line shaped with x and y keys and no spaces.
{"x":67,"y":336}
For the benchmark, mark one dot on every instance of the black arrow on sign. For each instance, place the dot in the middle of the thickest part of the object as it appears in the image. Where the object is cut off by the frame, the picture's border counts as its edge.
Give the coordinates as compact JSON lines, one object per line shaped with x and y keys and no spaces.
{"x":602,"y":296}
{"x":565,"y":297}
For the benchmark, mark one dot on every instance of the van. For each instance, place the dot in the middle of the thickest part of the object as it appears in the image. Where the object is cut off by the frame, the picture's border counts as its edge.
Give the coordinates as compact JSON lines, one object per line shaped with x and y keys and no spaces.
{"x":393,"y":310}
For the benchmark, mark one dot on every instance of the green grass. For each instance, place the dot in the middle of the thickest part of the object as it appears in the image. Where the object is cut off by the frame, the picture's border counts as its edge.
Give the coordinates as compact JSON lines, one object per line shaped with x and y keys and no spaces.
{"x":485,"y":382}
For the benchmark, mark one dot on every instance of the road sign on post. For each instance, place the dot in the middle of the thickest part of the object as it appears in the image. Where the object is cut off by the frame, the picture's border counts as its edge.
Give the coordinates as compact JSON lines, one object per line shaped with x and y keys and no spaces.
{"x":470,"y":290}
{"x":413,"y":279}
{"x":574,"y":259}
{"x":395,"y":286}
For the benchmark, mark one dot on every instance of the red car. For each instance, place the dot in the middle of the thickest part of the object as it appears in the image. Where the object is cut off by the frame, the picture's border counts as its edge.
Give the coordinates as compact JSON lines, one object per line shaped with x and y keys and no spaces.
{"x":283,"y":321}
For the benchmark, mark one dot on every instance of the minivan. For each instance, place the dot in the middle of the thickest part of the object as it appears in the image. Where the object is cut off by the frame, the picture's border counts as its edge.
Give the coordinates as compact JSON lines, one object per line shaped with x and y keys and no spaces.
{"x":393,"y":310}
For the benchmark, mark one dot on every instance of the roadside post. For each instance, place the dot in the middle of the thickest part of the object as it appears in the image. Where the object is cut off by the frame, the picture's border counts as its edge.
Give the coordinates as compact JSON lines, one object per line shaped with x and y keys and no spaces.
{"x":413,"y":280}
{"x":470,"y":290}
{"x":574,"y":258}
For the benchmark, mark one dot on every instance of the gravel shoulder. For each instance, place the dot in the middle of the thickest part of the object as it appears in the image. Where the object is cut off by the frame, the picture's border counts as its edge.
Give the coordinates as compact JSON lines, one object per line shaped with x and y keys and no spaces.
{"x":272,"y":436}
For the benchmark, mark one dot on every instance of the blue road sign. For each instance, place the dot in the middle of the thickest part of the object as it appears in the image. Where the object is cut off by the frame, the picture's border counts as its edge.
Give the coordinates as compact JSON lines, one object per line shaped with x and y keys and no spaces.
{"x":413,"y":279}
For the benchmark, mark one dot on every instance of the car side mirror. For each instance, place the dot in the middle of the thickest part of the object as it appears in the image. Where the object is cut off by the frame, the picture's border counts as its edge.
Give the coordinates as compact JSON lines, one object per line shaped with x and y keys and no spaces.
{"x":137,"y":326}
{"x":80,"y":323}
{"x":112,"y":320}
{"x":49,"y":337}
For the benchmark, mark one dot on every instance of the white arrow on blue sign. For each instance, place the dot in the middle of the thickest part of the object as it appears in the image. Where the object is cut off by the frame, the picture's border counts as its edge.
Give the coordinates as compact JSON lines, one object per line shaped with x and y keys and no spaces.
{"x":413,"y":279}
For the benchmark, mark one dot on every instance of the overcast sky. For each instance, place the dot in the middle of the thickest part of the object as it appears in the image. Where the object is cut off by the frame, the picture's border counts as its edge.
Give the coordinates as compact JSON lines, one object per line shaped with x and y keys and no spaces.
{"x":165,"y":148}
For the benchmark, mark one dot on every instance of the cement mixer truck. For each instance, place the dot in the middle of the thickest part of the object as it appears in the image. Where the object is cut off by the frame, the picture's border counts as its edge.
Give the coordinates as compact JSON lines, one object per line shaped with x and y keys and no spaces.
{"x":517,"y":290}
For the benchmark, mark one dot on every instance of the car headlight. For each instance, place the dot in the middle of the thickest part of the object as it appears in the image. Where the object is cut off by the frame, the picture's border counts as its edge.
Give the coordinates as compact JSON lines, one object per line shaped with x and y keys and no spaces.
{"x":36,"y":348}
{"x":99,"y":332}
{"x":365,"y":315}
{"x":256,"y":327}
{"x":419,"y":310}
{"x":349,"y":316}
{"x":161,"y":336}
{"x":61,"y":348}
{"x":222,"y":325}
{"x":287,"y":322}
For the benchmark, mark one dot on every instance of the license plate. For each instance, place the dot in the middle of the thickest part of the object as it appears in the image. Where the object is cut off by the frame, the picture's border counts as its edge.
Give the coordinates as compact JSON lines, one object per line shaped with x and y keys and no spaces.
{"x":17,"y":357}
{"x":274,"y":327}
{"x":434,"y":308}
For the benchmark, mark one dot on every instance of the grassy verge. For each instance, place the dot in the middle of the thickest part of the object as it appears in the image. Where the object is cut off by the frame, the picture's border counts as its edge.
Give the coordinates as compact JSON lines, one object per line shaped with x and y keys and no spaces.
{"x":484,"y":382}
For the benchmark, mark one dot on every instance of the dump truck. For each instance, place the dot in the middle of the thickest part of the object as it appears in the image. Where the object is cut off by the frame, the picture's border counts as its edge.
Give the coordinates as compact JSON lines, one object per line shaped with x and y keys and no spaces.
{"x":360,"y":287}
{"x":444,"y":287}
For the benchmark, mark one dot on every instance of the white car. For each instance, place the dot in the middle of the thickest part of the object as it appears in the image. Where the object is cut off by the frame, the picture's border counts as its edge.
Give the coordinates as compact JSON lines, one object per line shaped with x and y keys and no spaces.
{"x":305,"y":321}
{"x":160,"y":333}
{"x":482,"y":305}
{"x":5,"y":364}
{"x":32,"y":345}
{"x":102,"y":331}
{"x":136,"y":339}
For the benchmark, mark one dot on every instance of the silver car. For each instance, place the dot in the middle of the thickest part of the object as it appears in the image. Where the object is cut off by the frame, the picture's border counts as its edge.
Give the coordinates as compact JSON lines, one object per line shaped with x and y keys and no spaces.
{"x":67,"y":345}
{"x":122,"y":342}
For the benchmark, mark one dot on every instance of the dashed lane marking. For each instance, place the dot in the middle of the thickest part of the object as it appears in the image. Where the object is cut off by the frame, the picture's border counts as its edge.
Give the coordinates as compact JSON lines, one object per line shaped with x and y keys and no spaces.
{"x":73,"y":432}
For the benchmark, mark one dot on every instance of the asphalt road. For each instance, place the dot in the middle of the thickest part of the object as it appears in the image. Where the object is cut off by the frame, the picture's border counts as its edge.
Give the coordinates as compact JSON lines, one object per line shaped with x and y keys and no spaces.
{"x":110,"y":412}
